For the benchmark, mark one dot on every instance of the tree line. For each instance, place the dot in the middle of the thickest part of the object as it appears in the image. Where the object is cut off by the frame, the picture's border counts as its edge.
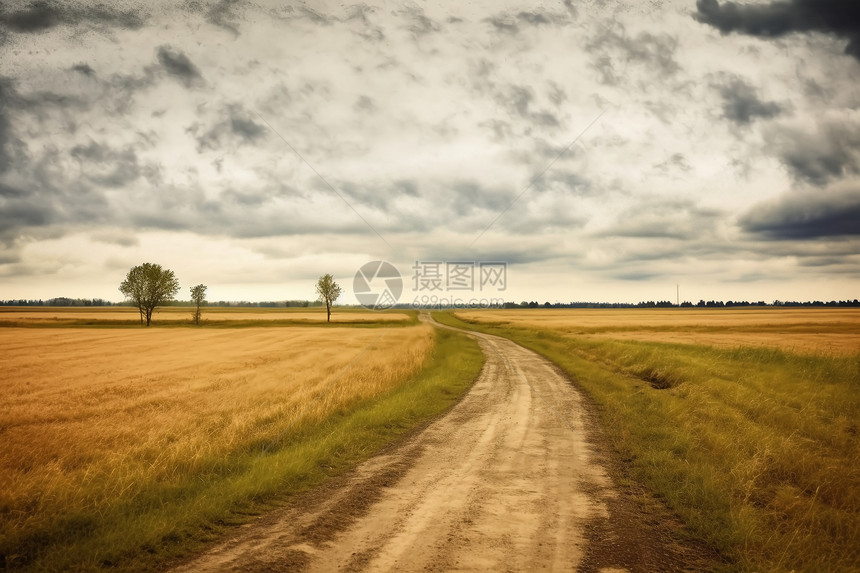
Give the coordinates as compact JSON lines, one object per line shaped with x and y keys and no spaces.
{"x":149,"y":286}
{"x":66,"y":301}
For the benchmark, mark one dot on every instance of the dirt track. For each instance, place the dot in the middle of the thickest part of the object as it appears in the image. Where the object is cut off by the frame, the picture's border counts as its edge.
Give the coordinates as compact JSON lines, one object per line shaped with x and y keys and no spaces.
{"x":504,"y":481}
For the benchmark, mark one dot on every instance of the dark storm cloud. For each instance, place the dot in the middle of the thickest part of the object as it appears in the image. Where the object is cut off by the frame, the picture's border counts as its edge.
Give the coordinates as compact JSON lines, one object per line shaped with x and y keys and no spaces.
{"x":830,"y":152}
{"x":317,"y":17}
{"x":179,"y":66}
{"x":364,"y":104}
{"x":469,"y":196}
{"x":677,"y":162}
{"x":613,"y":49}
{"x":417,"y":22}
{"x":84,"y":69}
{"x":664,"y":219}
{"x":105,"y":166}
{"x":7,"y":93}
{"x":222,"y":14}
{"x":412,"y":206}
{"x":18,"y":214}
{"x":40,"y":105}
{"x":49,"y":199}
{"x":36,"y":17}
{"x":555,"y":93}
{"x":358,"y":194}
{"x":812,"y":214}
{"x":42,"y":15}
{"x":236,"y":126}
{"x":7,"y":191}
{"x":838,"y":17}
{"x":566,"y":182}
{"x":741,"y":104}
{"x":239,"y":214}
{"x":407,"y":187}
{"x":360,"y":17}
{"x":512,"y":23}
{"x":519,"y":101}
{"x":524,"y":218}
{"x":823,"y":262}
{"x":19,"y":210}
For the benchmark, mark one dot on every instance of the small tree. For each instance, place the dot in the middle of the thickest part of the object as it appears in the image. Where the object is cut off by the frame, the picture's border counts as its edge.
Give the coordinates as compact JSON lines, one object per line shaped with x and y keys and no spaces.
{"x":327,"y":292}
{"x":198,"y":297}
{"x":149,"y":286}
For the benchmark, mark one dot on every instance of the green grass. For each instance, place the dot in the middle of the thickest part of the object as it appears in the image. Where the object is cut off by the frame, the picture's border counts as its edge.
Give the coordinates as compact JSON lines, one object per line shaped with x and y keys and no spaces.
{"x":755,"y":449}
{"x":171,"y":519}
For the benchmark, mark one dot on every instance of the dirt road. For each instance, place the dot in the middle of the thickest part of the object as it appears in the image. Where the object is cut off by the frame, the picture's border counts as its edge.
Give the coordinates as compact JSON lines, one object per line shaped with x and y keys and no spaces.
{"x":506,"y":481}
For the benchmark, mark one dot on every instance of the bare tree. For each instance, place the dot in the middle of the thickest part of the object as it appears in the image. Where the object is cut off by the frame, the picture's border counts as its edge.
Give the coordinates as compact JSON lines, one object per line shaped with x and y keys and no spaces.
{"x":198,"y":297}
{"x":149,"y":286}
{"x":327,"y":292}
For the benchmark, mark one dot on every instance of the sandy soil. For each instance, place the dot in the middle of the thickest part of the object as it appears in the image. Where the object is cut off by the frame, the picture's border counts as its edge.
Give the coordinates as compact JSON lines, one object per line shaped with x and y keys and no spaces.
{"x":505,"y":481}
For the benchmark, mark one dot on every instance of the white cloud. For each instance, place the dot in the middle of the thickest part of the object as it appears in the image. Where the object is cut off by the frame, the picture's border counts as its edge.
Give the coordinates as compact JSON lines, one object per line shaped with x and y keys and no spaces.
{"x":148,"y":137}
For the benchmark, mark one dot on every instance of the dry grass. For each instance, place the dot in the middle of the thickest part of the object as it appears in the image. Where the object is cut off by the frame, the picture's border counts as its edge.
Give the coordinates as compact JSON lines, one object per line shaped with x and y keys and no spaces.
{"x":817,"y":330}
{"x":65,"y":315}
{"x":91,"y":418}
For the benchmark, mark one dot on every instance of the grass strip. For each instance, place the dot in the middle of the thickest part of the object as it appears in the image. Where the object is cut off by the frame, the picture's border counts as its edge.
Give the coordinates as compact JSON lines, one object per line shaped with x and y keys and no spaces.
{"x":755,"y":449}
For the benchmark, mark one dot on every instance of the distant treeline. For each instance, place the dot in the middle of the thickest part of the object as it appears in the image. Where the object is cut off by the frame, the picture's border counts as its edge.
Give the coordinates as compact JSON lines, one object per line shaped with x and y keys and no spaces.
{"x":65,"y":301}
{"x":60,"y":301}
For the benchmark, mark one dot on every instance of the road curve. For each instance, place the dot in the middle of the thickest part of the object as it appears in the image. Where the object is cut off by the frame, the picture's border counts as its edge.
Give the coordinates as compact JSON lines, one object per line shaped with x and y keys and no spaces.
{"x":505,"y":481}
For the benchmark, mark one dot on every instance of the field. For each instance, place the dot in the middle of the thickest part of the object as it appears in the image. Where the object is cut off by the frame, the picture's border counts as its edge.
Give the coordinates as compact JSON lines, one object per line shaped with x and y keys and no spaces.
{"x":817,"y":330}
{"x":744,"y":422}
{"x":122,"y":446}
{"x":113,"y":315}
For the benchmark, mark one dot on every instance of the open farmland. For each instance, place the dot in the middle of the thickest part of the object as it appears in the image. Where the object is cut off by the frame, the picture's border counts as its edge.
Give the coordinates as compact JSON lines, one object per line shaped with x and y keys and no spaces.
{"x":805,"y":329}
{"x":123,"y":441}
{"x":744,"y":422}
{"x":116,"y":315}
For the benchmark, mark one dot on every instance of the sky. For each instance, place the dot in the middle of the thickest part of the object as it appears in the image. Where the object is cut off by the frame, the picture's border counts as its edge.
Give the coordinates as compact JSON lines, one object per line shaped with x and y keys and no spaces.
{"x":603,"y":151}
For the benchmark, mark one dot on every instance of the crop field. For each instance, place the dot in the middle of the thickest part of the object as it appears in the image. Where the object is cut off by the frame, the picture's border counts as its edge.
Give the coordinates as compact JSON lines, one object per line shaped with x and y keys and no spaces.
{"x":120,"y":442}
{"x":73,"y":316}
{"x":817,"y":330}
{"x":746,"y":423}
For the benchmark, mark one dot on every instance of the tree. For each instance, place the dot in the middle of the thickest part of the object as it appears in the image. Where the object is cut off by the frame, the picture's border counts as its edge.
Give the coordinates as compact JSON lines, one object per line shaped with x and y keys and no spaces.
{"x":149,"y":286}
{"x":327,"y":292}
{"x":198,"y":297}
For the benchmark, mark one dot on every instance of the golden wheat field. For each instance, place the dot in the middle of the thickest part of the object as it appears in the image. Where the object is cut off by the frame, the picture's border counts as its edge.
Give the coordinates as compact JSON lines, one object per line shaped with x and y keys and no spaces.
{"x":40,"y":315}
{"x":90,"y":417}
{"x":814,"y":330}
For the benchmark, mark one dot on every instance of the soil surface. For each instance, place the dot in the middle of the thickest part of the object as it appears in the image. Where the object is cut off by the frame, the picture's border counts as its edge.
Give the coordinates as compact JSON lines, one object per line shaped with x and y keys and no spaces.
{"x":515,"y":477}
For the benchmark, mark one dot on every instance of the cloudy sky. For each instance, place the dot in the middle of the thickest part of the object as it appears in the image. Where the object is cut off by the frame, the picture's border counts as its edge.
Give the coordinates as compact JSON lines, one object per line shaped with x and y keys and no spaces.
{"x":603,"y":150}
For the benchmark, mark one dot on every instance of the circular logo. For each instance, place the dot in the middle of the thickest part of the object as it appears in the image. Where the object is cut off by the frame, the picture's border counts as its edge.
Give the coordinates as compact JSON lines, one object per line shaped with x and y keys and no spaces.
{"x":377,"y":285}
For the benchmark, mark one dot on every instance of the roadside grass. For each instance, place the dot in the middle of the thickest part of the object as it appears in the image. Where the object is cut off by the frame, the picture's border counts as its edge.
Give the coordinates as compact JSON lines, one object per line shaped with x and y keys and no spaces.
{"x":193,"y":500}
{"x":756,"y":449}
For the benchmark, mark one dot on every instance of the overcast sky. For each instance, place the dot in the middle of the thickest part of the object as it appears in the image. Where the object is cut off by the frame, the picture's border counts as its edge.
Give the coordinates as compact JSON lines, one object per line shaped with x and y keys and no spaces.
{"x":604,"y":150}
